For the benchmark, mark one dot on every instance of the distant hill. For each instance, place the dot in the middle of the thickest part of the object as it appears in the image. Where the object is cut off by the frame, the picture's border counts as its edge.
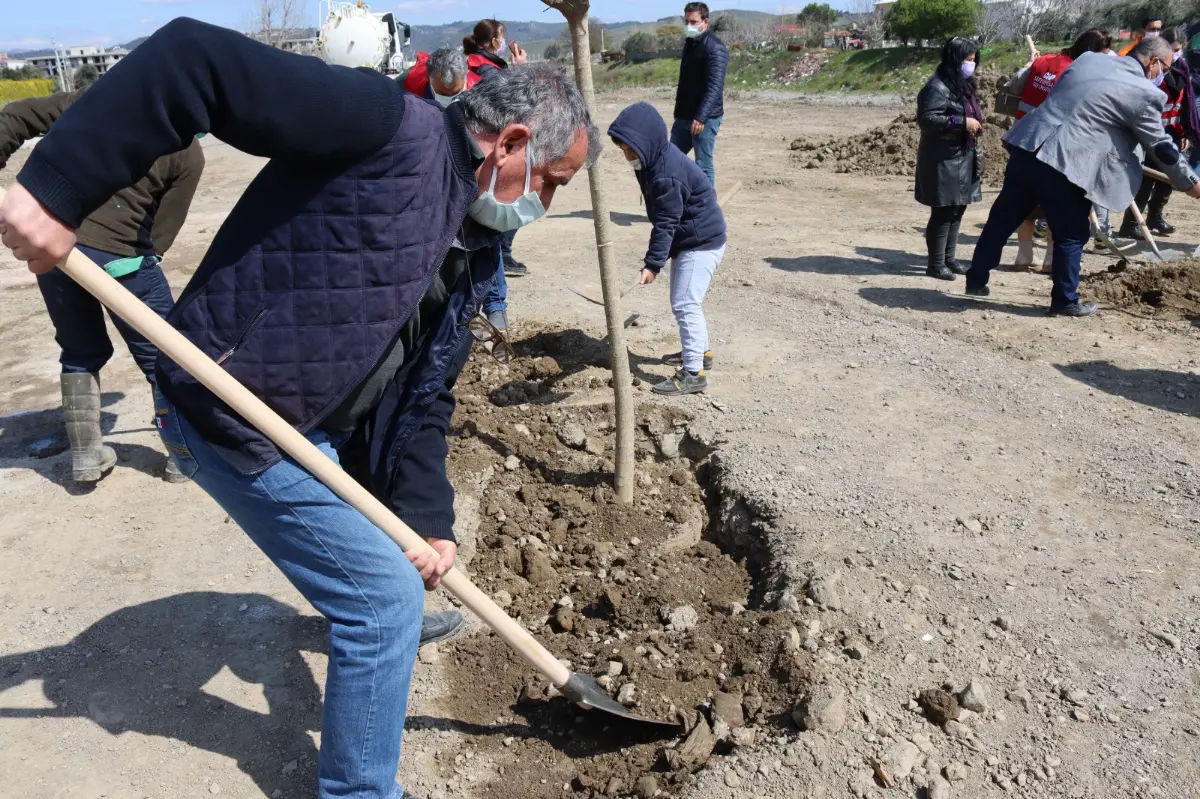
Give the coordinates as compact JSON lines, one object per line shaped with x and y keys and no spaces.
{"x":431,"y":37}
{"x":50,"y":51}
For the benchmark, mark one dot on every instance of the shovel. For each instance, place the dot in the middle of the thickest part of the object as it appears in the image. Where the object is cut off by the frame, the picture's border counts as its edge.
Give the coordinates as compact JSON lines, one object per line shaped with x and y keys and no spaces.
{"x":1121,"y":262}
{"x":578,"y":688}
{"x":1158,"y":255}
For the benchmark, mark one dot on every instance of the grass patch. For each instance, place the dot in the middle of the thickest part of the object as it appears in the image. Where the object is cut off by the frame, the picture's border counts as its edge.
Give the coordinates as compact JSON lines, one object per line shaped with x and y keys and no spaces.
{"x":659,"y":72}
{"x":900,"y":70}
{"x":11,"y":90}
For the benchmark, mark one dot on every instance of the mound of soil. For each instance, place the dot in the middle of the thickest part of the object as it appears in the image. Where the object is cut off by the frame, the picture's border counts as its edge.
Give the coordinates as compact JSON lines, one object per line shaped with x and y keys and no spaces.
{"x":634,"y":595}
{"x":799,"y":68}
{"x":892,"y":150}
{"x":1167,"y":291}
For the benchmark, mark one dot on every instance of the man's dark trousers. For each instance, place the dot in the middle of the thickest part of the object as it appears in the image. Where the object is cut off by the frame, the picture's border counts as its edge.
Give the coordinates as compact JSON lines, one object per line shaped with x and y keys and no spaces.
{"x":1029,"y":183}
{"x":78,"y":317}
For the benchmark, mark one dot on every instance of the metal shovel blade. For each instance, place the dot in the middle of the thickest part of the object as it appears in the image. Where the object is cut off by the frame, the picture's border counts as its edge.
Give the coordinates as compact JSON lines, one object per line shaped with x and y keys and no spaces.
{"x":587,"y":693}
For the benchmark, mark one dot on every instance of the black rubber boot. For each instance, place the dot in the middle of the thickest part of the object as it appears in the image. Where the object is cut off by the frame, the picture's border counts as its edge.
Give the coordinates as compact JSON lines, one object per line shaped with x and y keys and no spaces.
{"x":952,"y":251}
{"x":90,"y":458}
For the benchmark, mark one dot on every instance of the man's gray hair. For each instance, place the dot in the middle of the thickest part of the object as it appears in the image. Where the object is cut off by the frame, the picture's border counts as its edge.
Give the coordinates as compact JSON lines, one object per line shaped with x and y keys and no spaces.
{"x":1149,"y":49}
{"x":537,"y":95}
{"x":448,"y":65}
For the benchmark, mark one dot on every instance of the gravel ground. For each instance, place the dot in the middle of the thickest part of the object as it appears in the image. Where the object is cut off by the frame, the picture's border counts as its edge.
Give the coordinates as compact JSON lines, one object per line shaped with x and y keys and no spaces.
{"x":937,"y":494}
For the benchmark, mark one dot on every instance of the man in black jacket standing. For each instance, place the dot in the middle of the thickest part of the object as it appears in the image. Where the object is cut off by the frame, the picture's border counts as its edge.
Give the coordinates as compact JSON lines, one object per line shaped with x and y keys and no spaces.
{"x":699,"y":101}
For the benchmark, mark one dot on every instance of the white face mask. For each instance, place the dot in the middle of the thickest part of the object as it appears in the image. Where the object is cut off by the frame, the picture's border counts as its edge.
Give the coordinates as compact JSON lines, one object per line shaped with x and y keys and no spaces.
{"x":1158,"y":79}
{"x":692,"y":31}
{"x":445,"y":100}
{"x":1152,"y":34}
{"x":503,"y":217}
{"x":636,"y":164}
{"x":503,"y":48}
{"x":1176,"y":56}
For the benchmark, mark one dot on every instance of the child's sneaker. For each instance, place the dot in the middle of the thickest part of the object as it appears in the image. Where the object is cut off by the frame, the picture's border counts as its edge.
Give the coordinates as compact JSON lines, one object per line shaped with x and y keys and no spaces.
{"x":676,"y":359}
{"x":683,"y":382}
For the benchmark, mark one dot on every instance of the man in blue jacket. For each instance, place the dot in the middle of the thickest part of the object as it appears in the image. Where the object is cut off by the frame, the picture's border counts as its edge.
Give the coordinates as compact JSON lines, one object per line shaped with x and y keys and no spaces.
{"x":699,"y":99}
{"x":340,"y":290}
{"x":688,"y":228}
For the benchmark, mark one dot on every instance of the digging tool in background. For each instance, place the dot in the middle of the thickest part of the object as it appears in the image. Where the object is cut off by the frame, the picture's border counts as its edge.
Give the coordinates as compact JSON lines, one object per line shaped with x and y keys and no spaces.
{"x":594,"y":295}
{"x":1157,"y":254}
{"x":1122,"y":264}
{"x":1161,"y":178}
{"x":580,"y":689}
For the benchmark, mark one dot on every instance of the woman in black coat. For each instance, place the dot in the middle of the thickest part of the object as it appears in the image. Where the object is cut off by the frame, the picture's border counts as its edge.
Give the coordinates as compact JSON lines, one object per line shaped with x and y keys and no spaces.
{"x":949,"y":162}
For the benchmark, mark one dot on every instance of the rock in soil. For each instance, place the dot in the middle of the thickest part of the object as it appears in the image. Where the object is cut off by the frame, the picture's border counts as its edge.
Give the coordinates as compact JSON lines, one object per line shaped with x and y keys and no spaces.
{"x":729,"y":708}
{"x":823,"y":709}
{"x":975,"y":697}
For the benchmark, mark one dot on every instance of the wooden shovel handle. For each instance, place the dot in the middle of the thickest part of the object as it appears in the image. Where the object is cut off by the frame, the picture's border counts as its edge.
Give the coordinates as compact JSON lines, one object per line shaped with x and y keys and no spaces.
{"x":1159,"y":176}
{"x":1137,"y":215}
{"x":120,"y":301}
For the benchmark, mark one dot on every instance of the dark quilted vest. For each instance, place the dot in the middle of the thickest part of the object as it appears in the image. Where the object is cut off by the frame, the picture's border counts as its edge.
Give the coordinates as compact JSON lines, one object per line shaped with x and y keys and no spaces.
{"x":311,"y":277}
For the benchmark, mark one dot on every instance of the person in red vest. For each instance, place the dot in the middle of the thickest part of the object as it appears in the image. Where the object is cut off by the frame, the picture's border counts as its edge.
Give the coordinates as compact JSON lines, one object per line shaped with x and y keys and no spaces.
{"x":440,"y":77}
{"x":1033,"y":85}
{"x":1153,"y":195}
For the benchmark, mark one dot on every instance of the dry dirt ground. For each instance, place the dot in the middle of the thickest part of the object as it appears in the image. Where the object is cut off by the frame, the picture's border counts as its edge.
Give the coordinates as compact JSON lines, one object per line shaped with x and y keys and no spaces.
{"x":898,"y":490}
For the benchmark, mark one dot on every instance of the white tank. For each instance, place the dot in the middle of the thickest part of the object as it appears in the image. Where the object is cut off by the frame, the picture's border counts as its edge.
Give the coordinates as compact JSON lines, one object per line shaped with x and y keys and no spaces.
{"x":351,"y":36}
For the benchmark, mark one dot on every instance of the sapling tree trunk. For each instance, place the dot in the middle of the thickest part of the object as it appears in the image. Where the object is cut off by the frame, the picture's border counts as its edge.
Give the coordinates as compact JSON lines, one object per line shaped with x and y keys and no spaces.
{"x":576,"y":12}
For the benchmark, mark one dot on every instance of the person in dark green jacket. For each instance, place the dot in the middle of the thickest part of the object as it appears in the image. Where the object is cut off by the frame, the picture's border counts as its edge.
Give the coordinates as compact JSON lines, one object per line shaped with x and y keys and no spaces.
{"x":127,"y":236}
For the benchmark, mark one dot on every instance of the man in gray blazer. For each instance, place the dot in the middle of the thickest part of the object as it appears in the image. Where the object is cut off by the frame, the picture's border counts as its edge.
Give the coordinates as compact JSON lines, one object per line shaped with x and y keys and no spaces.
{"x":1076,"y":148}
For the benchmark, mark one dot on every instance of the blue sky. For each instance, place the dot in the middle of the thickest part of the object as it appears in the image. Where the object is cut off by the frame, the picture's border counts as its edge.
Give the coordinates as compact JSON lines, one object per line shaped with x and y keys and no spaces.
{"x":30,"y":24}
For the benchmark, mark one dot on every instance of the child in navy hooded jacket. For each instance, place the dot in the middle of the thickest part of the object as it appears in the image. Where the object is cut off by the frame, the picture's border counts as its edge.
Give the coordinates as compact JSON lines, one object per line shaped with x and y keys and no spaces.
{"x":689,"y":228}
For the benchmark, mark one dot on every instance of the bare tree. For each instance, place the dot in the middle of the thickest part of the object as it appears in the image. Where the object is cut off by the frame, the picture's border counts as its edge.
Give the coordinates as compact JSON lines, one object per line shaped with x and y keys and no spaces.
{"x":1038,"y":19}
{"x":576,"y":12}
{"x":273,"y":21}
{"x":990,"y":23}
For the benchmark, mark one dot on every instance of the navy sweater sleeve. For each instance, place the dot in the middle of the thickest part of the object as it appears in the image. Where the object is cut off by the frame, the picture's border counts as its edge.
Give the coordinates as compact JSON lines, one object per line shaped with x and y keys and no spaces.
{"x":718,"y":62}
{"x":666,"y":198}
{"x":189,"y":78}
{"x":422,"y":495}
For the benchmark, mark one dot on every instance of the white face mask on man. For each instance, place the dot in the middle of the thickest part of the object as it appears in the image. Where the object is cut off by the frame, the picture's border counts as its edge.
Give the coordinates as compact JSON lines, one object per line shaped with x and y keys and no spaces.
{"x":503,"y":217}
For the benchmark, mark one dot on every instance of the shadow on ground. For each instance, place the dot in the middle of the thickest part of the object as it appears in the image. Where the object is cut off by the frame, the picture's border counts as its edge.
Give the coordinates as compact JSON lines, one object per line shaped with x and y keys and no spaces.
{"x":143,"y":669}
{"x":872,"y":261}
{"x":1156,"y":388}
{"x":618,"y":218}
{"x":34,"y":439}
{"x":934,"y":301}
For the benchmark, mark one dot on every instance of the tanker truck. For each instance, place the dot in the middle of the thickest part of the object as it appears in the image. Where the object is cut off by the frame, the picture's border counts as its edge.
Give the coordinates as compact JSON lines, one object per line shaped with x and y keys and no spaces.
{"x":351,"y":35}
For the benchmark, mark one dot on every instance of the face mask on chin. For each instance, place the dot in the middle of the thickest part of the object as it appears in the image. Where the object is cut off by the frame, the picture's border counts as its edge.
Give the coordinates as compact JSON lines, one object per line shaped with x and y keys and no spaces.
{"x":503,"y":217}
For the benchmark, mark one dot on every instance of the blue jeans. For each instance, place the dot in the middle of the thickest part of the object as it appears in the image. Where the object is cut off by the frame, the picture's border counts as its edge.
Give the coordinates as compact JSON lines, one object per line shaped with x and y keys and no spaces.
{"x":705,"y":143}
{"x":351,"y":572}
{"x":78,"y":317}
{"x":1029,"y":183}
{"x":496,"y":298}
